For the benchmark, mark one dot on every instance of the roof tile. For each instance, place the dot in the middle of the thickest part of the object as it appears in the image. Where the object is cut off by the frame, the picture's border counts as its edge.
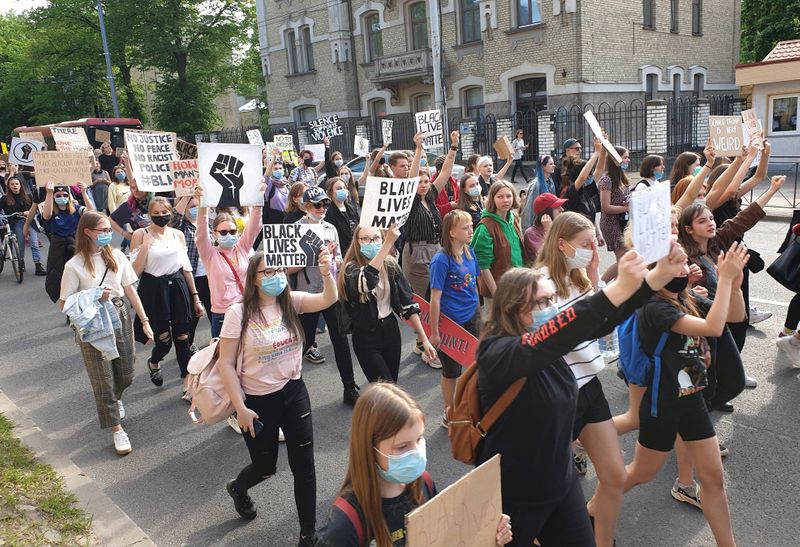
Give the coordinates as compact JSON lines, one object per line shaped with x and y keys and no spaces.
{"x":783,"y":51}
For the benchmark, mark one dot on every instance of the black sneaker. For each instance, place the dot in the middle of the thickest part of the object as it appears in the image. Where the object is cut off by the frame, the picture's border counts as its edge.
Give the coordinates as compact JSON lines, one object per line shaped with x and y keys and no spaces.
{"x":241,"y":502}
{"x":350,"y":395}
{"x":307,"y":540}
{"x":40,"y":271}
{"x":313,"y":355}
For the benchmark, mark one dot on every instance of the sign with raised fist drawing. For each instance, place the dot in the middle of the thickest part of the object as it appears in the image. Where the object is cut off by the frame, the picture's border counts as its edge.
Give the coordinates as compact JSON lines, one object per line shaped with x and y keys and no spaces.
{"x":230,"y":174}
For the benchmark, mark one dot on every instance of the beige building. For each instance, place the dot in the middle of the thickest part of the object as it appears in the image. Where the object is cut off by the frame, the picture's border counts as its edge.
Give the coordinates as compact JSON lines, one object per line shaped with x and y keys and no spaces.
{"x":368,"y":59}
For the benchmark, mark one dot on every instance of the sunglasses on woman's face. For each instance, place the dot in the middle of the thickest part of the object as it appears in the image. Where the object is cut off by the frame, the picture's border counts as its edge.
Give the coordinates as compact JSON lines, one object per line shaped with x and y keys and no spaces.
{"x":321,"y":204}
{"x":227,"y":232}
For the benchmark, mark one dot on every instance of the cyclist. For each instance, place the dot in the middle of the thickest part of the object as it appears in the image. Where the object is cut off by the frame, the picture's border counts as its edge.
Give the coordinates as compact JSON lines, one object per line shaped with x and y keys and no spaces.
{"x":18,"y":200}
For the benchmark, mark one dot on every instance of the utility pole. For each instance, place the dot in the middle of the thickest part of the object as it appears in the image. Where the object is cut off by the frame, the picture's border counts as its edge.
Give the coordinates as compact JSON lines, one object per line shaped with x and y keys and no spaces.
{"x":107,"y":55}
{"x":439,"y":98}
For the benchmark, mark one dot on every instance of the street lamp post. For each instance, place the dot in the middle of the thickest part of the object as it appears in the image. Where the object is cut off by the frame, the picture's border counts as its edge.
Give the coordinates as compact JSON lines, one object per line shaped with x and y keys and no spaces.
{"x":107,"y":55}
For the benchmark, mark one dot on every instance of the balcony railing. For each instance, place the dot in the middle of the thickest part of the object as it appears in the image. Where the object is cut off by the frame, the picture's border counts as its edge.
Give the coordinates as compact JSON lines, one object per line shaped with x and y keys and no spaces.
{"x":407,"y":66}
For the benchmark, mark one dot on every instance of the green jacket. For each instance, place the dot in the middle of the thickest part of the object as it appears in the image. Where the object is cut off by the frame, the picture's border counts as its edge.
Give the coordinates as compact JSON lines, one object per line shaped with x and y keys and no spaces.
{"x":483,"y":244}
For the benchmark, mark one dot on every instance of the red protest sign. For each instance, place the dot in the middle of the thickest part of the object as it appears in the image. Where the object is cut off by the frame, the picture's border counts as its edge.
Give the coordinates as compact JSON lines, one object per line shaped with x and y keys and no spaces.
{"x":185,"y":175}
{"x":457,"y":343}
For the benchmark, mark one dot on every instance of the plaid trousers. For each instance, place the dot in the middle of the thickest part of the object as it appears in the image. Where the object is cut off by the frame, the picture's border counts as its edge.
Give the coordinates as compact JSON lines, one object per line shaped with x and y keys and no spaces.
{"x":110,"y":378}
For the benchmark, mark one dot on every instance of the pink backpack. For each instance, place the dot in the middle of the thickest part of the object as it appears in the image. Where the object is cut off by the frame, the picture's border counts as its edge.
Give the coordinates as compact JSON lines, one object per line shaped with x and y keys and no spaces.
{"x":206,"y":388}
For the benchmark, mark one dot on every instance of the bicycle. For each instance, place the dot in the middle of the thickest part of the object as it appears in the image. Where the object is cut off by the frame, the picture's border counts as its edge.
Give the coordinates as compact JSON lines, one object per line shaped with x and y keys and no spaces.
{"x":9,"y":246}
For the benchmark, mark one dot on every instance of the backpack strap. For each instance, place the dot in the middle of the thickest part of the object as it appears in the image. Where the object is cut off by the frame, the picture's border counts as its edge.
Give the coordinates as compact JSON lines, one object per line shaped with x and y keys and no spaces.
{"x":657,"y":373}
{"x":350,"y":512}
{"x":428,"y":483}
{"x":233,"y":271}
{"x":499,"y":406}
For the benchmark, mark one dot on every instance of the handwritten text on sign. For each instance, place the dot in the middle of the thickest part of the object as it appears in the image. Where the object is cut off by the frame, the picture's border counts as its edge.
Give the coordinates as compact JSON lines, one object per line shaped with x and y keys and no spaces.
{"x":429,"y":123}
{"x":284,"y":142}
{"x":292,"y":245}
{"x":325,"y":127}
{"x":151,"y":156}
{"x":254,"y":136}
{"x":651,"y":221}
{"x":457,"y":343}
{"x":61,"y":167}
{"x":70,"y":138}
{"x":387,"y":201}
{"x":753,"y":127}
{"x":386,"y":129}
{"x":464,"y":513}
{"x":185,"y":173}
{"x":727,"y":134}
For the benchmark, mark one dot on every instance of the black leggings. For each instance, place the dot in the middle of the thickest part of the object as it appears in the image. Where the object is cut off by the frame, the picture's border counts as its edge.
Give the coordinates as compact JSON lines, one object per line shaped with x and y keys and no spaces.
{"x":165,"y":333}
{"x":793,"y":313}
{"x":518,"y":165}
{"x":726,"y":374}
{"x":739,"y":330}
{"x":564,"y":523}
{"x":341,"y":347}
{"x":61,"y":250}
{"x":289,"y":409}
{"x":378,"y":350}
{"x":203,"y":292}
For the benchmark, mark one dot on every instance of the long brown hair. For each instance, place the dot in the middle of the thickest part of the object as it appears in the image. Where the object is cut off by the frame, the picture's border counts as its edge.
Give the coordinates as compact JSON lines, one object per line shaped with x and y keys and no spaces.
{"x":680,"y":168}
{"x":515,"y":292}
{"x":83,"y":243}
{"x":465,"y":202}
{"x":452,"y":220}
{"x":354,"y":259}
{"x":382,"y":410}
{"x":680,"y":188}
{"x":687,"y":217}
{"x":24,"y":193}
{"x":566,"y":226}
{"x":495,"y":189}
{"x":295,"y":191}
{"x":251,"y":303}
{"x":618,"y":177}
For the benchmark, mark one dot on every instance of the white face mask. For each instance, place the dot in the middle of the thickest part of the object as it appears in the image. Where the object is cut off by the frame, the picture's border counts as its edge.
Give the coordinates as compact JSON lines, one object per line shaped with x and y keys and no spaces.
{"x":581,"y":259}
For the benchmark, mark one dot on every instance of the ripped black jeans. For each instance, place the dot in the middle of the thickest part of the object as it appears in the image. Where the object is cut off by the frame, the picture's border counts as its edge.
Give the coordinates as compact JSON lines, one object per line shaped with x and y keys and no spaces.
{"x":289,"y":409}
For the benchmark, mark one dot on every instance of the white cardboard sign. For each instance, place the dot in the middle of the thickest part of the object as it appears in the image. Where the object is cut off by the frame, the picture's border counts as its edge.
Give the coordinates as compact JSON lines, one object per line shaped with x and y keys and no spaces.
{"x":386,"y":129}
{"x":284,"y":142}
{"x":651,"y":217}
{"x":292,"y":245}
{"x":68,"y":139}
{"x":387,"y":201}
{"x":753,"y":126}
{"x":21,"y":150}
{"x":151,"y":155}
{"x":429,"y":123}
{"x":361,"y":147}
{"x":254,"y":137}
{"x":598,"y":132}
{"x":230,"y":174}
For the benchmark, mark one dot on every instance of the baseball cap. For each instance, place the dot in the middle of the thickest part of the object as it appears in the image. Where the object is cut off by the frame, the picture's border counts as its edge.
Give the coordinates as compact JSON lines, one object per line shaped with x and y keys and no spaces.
{"x":546,"y":201}
{"x":569,"y":143}
{"x":314,"y":195}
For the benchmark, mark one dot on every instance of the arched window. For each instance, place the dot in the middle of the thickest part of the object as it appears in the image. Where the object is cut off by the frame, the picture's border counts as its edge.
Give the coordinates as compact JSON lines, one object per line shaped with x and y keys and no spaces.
{"x":374,"y":46}
{"x":305,"y":114}
{"x":291,"y":52}
{"x":651,"y":87}
{"x":308,"y":48}
{"x":421,"y":103}
{"x":419,"y":25}
{"x":473,"y":102}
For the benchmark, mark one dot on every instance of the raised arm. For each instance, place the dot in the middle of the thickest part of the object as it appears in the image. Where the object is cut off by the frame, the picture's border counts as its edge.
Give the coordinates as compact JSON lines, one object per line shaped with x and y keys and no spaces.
{"x":320,"y":301}
{"x":502,"y":172}
{"x":600,"y":167}
{"x":727,"y":182}
{"x":443,"y":176}
{"x":583,"y":176}
{"x":414,"y":170}
{"x":761,"y":172}
{"x":48,"y":201}
{"x":693,"y":189}
{"x":774,"y":185}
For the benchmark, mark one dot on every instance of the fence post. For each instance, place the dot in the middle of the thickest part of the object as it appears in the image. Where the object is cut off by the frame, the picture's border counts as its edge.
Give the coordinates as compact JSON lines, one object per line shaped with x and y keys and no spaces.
{"x":545,"y":120}
{"x":656,"y":134}
{"x":739,"y":104}
{"x":505,"y":127}
{"x":468,"y":129}
{"x":701,"y":114}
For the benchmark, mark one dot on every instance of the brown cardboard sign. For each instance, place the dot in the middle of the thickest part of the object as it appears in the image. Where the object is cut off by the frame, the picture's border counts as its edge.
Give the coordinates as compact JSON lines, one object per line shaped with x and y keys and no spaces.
{"x":186,"y":150}
{"x":726,"y":134}
{"x":32,"y":135}
{"x":102,"y":136}
{"x":62,"y":167}
{"x":503,"y":148}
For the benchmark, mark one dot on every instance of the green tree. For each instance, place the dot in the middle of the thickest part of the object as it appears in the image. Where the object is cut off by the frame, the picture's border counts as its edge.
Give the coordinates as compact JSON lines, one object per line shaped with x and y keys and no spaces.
{"x":764,"y":24}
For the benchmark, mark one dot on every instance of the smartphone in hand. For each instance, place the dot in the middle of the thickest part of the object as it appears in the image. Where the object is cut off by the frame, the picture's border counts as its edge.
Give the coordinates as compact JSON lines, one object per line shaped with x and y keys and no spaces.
{"x":258,"y":427}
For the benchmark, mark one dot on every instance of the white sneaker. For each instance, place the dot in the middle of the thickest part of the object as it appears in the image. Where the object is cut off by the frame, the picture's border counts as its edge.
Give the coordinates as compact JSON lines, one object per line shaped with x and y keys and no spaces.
{"x":121,"y":443}
{"x":433,"y":363}
{"x":281,"y":438}
{"x":790,"y":345}
{"x":234,"y":424}
{"x":749,"y":381}
{"x":757,"y":316}
{"x":121,"y":410}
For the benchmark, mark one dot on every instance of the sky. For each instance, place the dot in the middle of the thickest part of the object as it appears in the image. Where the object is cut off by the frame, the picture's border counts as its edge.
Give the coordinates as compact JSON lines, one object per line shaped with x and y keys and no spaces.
{"x":18,"y":6}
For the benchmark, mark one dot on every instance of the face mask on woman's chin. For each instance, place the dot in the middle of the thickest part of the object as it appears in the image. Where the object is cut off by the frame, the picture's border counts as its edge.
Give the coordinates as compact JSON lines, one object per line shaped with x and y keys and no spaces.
{"x":314,"y":215}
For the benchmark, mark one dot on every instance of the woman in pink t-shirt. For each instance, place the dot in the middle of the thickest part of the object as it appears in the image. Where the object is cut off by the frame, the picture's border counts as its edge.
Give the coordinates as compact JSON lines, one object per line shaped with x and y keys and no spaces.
{"x":270,"y":393}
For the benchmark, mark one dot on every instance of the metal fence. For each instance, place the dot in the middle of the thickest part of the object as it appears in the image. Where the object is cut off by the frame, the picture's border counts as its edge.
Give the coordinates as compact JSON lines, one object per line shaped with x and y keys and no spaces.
{"x":788,"y":197}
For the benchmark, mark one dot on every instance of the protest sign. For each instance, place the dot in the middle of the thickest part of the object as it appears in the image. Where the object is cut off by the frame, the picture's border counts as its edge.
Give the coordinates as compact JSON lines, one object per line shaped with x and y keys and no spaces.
{"x":33,"y":135}
{"x":503,"y":148}
{"x":184,"y":176}
{"x":3,"y":148}
{"x":465,"y":513}
{"x":151,"y":155}
{"x":598,"y":132}
{"x":292,"y":245}
{"x":230,"y":174}
{"x":753,"y":126}
{"x":651,"y":221}
{"x":318,"y":150}
{"x":268,"y":146}
{"x":70,"y":138}
{"x":429,"y":123}
{"x":361,"y":147}
{"x":387,"y":201}
{"x":284,"y":142}
{"x":21,"y":149}
{"x":254,"y":136}
{"x":386,"y":129}
{"x":457,"y":342}
{"x":61,"y":167}
{"x":325,"y":127}
{"x":726,"y":134}
{"x":186,"y":150}
{"x":102,"y":136}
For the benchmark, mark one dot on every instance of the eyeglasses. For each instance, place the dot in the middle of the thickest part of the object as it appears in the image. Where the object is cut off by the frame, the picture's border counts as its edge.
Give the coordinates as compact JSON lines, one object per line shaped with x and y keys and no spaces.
{"x":103,"y":230}
{"x":227,"y":232}
{"x":366,"y":240}
{"x":543,"y":303}
{"x":271,"y":272}
{"x":321,"y":204}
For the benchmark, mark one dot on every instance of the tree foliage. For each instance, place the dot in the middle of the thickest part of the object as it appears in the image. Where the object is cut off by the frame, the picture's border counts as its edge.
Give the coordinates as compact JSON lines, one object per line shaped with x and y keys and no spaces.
{"x":764,"y":24}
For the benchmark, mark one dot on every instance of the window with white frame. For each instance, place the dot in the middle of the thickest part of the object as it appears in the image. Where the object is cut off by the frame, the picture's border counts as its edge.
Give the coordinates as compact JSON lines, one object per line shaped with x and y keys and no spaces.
{"x":473,"y":102}
{"x":305,"y":114}
{"x":783,"y":114}
{"x":422,"y":103}
{"x":528,"y":12}
{"x":374,"y":45}
{"x":419,"y":25}
{"x":470,"y":21}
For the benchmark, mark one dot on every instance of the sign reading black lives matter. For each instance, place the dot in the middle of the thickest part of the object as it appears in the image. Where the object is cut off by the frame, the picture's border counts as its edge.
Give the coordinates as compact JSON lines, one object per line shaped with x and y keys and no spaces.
{"x":387,"y":201}
{"x":429,"y":123}
{"x":292,"y":245}
{"x":230,"y":174}
{"x":325,"y":127}
{"x":151,"y":155}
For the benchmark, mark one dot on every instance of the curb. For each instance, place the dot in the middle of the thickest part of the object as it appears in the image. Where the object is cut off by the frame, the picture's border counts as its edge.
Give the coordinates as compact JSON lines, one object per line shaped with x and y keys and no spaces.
{"x":112,"y":526}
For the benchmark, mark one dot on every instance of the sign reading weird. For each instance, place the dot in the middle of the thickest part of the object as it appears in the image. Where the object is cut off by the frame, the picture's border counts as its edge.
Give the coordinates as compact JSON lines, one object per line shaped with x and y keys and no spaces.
{"x":151,"y":155}
{"x":387,"y":201}
{"x":292,"y":245}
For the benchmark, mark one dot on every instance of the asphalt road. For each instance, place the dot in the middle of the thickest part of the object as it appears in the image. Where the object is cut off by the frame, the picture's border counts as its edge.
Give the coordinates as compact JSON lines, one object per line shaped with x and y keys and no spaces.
{"x":172,"y":484}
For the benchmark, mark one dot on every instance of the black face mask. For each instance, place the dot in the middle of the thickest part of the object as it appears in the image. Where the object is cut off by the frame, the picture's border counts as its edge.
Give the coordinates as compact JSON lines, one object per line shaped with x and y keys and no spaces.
{"x":161,"y":220}
{"x":307,"y":162}
{"x":677,"y":284}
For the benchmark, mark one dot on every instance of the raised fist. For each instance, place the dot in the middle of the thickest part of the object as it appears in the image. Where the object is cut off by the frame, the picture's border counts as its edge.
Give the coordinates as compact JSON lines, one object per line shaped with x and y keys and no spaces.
{"x":311,"y":245}
{"x":227,"y":171}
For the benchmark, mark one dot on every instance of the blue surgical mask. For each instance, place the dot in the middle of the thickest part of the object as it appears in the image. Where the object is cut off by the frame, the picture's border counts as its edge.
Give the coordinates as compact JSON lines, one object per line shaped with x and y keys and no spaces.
{"x":346,"y":177}
{"x":590,"y":180}
{"x":338,"y":163}
{"x":624,"y":165}
{"x":192,"y":212}
{"x":120,"y":175}
{"x":407,"y":467}
{"x":341,"y":194}
{"x":103,"y":239}
{"x":62,"y":201}
{"x":278,"y":174}
{"x":696,"y":171}
{"x":423,"y":162}
{"x":228,"y":240}
{"x":369,"y":250}
{"x":275,"y":285}
{"x":658,"y":175}
{"x":475,"y":191}
{"x":540,"y":317}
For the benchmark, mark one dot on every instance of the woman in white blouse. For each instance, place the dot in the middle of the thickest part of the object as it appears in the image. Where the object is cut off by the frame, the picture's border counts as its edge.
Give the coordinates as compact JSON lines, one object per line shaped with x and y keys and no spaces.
{"x":166,"y":288}
{"x":95,"y":264}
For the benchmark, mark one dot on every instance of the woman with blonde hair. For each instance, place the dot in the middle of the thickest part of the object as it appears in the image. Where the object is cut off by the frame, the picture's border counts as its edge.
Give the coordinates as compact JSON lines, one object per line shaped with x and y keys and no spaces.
{"x":97,"y":265}
{"x":386,"y":477}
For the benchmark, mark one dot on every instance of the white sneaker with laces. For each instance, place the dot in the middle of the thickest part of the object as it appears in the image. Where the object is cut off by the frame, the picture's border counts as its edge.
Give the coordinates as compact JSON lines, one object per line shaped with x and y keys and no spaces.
{"x":790,"y":345}
{"x":749,"y":381}
{"x":433,"y":363}
{"x":121,"y":443}
{"x":121,"y":410}
{"x":234,"y":424}
{"x":757,"y":316}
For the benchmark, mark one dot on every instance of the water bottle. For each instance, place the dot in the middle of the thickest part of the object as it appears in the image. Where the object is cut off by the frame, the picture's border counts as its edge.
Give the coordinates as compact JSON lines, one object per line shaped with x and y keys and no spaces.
{"x":609,"y":344}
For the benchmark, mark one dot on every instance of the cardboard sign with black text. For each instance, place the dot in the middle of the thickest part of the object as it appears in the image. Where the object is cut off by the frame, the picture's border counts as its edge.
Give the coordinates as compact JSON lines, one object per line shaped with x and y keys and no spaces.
{"x":292,"y":245}
{"x":284,"y":142}
{"x":185,"y":177}
{"x":429,"y":123}
{"x":62,"y":167}
{"x":387,"y":201}
{"x":230,"y":174}
{"x":386,"y":129}
{"x":70,"y":138}
{"x":726,"y":134}
{"x":186,"y":150}
{"x":328,"y":126}
{"x":151,"y":155}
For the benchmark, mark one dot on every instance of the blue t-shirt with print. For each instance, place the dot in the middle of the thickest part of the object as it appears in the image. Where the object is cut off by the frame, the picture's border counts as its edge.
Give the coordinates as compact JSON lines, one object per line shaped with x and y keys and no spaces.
{"x":62,"y":223}
{"x":458,"y":283}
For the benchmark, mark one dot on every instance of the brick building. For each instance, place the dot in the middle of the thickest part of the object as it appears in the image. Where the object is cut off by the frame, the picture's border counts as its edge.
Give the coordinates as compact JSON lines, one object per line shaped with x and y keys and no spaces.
{"x":366,"y":59}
